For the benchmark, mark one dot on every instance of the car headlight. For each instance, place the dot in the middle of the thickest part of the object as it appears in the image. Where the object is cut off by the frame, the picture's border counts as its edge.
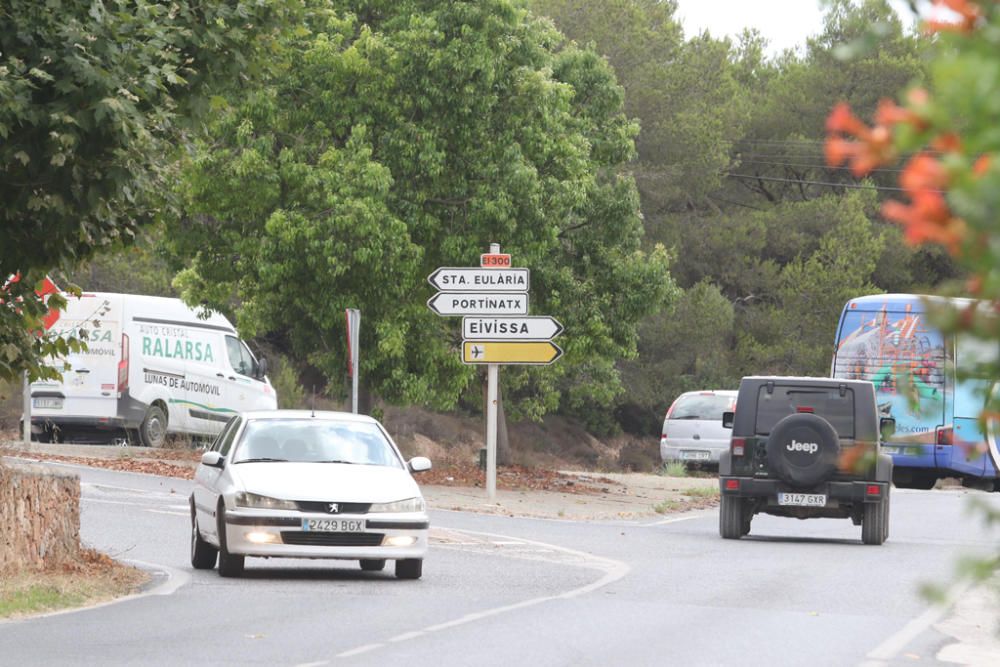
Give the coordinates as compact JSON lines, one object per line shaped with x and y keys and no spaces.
{"x":257,"y":501}
{"x":408,"y":505}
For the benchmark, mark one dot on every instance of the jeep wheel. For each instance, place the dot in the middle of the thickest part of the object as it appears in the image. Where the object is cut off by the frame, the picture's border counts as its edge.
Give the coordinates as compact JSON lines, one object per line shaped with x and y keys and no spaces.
{"x":803,"y":449}
{"x":875,"y":522}
{"x":731,"y":520}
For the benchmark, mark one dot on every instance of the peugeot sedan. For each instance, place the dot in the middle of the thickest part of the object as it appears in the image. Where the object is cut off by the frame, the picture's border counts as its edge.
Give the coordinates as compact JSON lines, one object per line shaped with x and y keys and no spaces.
{"x":303,"y":484}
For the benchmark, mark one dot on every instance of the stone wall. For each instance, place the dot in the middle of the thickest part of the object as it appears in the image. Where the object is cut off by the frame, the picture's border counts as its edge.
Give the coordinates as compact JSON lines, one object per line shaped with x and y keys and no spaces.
{"x":39,"y":516}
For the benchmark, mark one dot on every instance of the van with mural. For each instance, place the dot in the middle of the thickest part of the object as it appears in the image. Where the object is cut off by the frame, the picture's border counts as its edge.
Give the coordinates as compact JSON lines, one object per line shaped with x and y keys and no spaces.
{"x":152,"y":367}
{"x":929,"y":382}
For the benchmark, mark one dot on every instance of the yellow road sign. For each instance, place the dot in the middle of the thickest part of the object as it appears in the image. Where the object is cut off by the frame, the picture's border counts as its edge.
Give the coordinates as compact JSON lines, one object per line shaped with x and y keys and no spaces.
{"x":495,"y":352}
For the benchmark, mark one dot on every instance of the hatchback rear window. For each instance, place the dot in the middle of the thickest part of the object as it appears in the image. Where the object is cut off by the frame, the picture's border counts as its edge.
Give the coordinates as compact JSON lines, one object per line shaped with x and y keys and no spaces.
{"x":701,"y":406}
{"x":833,"y":405}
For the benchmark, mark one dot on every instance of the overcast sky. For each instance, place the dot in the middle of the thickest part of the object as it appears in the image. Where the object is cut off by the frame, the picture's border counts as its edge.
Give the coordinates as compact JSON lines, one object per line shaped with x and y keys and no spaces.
{"x":785,"y":23}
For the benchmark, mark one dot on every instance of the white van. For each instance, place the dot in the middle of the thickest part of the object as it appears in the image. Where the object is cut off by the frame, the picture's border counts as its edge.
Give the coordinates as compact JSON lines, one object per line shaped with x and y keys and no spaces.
{"x":153,"y":366}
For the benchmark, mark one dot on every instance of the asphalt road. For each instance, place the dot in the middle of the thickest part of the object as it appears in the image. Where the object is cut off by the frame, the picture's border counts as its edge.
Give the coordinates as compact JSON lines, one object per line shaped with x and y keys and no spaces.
{"x":505,"y":591}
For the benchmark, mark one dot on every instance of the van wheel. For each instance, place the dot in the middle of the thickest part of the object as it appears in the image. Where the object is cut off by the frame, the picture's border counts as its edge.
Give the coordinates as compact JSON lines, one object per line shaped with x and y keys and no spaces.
{"x":153,"y":430}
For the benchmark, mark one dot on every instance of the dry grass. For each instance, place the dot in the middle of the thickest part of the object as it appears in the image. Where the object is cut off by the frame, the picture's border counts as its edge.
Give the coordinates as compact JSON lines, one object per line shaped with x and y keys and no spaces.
{"x":92,"y":579}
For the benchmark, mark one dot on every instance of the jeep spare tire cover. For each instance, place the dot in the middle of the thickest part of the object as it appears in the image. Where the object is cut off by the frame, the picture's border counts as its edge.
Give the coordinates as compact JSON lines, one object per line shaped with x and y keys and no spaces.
{"x":803,"y":449}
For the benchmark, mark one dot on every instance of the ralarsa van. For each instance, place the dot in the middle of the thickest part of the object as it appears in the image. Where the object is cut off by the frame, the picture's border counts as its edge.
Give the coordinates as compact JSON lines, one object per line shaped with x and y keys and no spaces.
{"x":153,"y":366}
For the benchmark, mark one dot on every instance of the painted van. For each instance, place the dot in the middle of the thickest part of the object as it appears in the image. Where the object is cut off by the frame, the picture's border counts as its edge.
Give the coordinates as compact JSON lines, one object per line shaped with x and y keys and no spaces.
{"x":153,"y":366}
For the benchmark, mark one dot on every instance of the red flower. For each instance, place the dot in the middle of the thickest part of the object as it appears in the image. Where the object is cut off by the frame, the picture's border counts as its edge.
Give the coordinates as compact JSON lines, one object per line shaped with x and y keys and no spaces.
{"x":873,"y":149}
{"x":928,"y":218}
{"x":969,"y":14}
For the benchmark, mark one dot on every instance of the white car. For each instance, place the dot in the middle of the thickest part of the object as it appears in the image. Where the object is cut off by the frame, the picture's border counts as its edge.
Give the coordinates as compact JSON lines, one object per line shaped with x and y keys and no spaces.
{"x":302,"y":484}
{"x":692,"y":428}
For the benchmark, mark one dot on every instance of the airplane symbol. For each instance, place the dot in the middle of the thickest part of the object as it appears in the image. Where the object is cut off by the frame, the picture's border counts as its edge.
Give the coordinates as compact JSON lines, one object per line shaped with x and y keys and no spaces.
{"x":477,"y":351}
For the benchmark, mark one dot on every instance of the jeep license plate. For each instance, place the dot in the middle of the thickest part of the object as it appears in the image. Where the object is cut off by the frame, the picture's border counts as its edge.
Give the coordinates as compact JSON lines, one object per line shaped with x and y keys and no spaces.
{"x":802,"y":499}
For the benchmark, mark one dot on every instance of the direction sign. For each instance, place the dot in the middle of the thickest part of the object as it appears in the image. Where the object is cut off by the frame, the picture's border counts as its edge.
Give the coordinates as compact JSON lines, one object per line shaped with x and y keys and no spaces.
{"x":510,"y":328}
{"x":471,"y":279}
{"x":479,"y":303}
{"x":494,"y":352}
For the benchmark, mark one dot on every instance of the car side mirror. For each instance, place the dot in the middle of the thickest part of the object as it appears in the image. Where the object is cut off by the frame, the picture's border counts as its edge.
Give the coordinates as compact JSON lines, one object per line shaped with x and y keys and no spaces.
{"x":419,"y":464}
{"x":213,"y":460}
{"x":886,"y":426}
{"x":727,"y":419}
{"x":262,"y":368}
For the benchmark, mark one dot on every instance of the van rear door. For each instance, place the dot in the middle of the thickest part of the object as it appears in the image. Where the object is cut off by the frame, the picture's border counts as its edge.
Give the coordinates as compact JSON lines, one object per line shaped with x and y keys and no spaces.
{"x":89,"y":387}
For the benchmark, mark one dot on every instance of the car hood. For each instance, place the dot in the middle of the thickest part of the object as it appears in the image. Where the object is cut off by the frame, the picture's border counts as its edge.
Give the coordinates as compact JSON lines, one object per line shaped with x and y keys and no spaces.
{"x":326,"y":481}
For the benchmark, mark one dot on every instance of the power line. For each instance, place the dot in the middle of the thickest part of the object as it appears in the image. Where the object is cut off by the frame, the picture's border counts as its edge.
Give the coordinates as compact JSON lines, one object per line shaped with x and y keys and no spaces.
{"x":812,"y":164}
{"x":826,"y":183}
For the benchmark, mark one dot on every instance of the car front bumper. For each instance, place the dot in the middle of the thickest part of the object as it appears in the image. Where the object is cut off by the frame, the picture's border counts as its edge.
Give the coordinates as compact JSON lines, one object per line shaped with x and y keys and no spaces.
{"x":281,"y":535}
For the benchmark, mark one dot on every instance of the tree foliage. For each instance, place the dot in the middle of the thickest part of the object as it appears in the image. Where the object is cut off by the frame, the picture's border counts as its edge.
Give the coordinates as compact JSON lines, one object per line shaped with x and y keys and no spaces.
{"x":92,"y":97}
{"x":397,"y":137}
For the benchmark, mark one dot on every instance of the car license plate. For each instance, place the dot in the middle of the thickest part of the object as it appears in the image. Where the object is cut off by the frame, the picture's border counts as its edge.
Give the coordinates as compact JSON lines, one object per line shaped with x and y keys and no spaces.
{"x":888,"y":449}
{"x":695,"y":456}
{"x":333,"y":525}
{"x":802,"y":499}
{"x":47,"y":403}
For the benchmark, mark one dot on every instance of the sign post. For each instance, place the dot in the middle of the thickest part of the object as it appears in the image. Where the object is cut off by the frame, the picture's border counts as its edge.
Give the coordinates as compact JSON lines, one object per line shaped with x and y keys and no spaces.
{"x":353,"y":316}
{"x":496,"y":328}
{"x":26,"y":419}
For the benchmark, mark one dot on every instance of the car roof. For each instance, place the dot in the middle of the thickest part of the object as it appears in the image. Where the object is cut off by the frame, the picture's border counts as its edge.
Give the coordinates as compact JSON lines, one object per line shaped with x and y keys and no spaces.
{"x":791,"y":379}
{"x":325,"y":415}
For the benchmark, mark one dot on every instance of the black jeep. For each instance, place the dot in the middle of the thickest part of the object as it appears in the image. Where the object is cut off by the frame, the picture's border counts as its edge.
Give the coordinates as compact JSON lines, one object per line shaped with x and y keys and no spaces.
{"x":803,"y":448}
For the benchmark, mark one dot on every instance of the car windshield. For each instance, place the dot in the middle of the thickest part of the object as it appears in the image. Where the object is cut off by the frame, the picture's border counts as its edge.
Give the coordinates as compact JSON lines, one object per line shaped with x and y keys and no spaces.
{"x":702,"y":406}
{"x":317,"y":441}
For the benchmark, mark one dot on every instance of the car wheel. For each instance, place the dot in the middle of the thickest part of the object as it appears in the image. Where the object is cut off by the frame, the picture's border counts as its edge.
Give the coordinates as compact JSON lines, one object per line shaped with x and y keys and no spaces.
{"x":874,"y":523}
{"x":230,"y":565}
{"x":731,"y":518}
{"x":153,"y":430}
{"x":372,"y":564}
{"x":203,"y":554}
{"x":409,"y":568}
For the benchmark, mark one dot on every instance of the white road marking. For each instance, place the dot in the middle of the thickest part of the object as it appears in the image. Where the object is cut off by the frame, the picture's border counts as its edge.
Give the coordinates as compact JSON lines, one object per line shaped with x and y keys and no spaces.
{"x":894,"y":645}
{"x":170,"y":512}
{"x":678,"y":519}
{"x":613,"y":571}
{"x":359,"y":650}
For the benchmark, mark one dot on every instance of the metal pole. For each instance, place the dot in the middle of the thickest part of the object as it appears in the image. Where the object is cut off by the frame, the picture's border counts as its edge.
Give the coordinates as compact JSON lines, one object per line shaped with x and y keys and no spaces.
{"x":26,"y":412}
{"x":355,"y":324}
{"x":492,"y":380}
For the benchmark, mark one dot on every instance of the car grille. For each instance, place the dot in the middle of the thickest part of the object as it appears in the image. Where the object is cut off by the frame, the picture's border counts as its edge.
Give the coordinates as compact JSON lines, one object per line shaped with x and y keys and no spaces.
{"x":323,"y":507}
{"x":317,"y":539}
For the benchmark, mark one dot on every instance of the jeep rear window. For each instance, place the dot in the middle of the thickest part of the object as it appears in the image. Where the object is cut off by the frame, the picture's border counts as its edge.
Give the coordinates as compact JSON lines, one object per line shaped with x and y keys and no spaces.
{"x":827,"y":403}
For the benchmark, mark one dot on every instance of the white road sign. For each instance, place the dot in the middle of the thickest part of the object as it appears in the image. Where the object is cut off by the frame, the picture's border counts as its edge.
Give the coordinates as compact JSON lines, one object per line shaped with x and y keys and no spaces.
{"x":510,"y":328}
{"x":470,"y":279}
{"x":479,"y":303}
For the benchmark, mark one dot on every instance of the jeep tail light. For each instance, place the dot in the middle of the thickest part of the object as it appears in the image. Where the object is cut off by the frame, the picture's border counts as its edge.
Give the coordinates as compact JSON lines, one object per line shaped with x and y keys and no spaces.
{"x":738,"y":446}
{"x":945,"y":436}
{"x":873,"y":490}
{"x":123,"y":367}
{"x":732,"y":485}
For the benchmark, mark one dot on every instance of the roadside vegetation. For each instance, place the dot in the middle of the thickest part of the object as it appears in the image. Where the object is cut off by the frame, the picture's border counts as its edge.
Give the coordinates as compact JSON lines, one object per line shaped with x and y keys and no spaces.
{"x":94,"y":578}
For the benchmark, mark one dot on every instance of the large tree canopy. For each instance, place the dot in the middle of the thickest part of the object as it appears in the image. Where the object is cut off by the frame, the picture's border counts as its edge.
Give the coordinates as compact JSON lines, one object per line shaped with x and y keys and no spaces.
{"x":399,"y":136}
{"x":92,"y":95}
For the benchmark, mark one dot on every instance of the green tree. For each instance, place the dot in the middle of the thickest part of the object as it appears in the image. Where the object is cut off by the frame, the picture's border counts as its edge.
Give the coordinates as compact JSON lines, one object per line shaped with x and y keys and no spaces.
{"x":93,"y":97}
{"x":397,"y":137}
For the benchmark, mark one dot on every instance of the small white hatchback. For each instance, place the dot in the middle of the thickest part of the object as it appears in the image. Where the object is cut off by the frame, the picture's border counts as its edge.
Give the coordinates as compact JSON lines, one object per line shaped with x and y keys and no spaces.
{"x":302,"y":484}
{"x":692,"y":429}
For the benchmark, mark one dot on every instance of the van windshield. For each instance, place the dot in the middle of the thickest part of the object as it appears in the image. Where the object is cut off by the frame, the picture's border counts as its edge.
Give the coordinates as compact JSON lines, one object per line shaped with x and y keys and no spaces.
{"x":702,"y":406}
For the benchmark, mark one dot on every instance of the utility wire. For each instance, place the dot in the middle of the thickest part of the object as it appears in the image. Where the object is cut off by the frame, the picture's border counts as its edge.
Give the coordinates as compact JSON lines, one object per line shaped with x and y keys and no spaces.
{"x":812,"y":164}
{"x":826,"y":183}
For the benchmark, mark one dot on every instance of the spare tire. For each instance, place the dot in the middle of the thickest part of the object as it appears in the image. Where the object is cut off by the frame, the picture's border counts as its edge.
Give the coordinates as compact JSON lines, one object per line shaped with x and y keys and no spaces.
{"x":803,"y":449}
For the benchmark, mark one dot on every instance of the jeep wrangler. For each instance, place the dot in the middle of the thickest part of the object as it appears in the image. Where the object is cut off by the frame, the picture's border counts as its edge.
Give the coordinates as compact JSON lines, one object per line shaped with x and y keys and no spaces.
{"x":803,"y":448}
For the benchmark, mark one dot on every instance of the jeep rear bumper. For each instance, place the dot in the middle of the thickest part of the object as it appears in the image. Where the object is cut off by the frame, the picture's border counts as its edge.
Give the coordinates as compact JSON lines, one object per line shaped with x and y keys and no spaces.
{"x":845,"y":492}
